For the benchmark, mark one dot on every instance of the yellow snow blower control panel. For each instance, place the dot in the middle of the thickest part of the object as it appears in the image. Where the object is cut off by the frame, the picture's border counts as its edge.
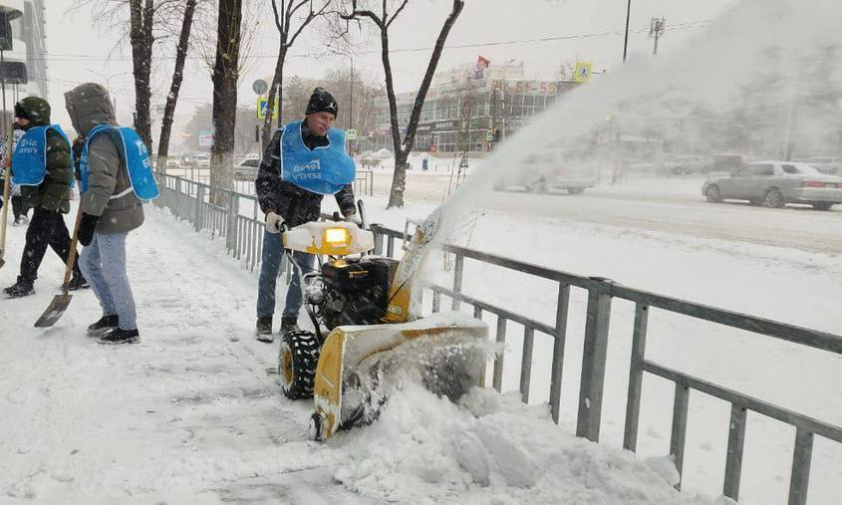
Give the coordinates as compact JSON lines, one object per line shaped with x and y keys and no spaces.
{"x":329,"y":238}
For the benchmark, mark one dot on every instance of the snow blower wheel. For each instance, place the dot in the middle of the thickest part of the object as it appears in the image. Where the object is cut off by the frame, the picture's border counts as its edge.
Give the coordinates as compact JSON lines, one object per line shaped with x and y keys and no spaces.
{"x":297,"y":360}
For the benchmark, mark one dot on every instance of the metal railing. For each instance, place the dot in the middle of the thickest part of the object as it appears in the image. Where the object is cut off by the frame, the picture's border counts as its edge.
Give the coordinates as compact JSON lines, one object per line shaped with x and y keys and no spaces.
{"x":238,"y":222}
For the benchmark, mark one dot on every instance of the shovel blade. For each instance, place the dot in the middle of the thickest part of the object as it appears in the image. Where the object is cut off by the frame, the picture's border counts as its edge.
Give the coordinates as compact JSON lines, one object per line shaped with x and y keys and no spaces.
{"x":54,"y":311}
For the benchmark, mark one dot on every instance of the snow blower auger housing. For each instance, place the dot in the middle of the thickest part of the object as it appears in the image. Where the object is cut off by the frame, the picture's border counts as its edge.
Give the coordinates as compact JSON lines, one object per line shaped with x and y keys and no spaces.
{"x":364,"y":343}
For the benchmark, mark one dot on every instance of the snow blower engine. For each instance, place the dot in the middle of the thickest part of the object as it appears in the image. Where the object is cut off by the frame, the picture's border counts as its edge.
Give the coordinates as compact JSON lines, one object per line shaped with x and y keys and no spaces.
{"x":362,"y":339}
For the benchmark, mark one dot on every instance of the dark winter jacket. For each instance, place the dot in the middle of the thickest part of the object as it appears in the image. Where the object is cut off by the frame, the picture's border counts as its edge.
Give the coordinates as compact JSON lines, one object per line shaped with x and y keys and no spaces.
{"x":54,"y":193}
{"x":296,"y":205}
{"x":109,"y":192}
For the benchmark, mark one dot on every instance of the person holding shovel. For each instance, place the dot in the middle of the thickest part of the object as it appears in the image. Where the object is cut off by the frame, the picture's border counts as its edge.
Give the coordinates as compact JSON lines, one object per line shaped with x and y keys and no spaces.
{"x":45,"y":181}
{"x":115,"y":179}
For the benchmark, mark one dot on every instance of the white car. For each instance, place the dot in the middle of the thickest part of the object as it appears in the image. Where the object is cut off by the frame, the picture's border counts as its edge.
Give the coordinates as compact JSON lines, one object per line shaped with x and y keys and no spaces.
{"x":202,"y":160}
{"x":775,"y":184}
{"x":246,"y":170}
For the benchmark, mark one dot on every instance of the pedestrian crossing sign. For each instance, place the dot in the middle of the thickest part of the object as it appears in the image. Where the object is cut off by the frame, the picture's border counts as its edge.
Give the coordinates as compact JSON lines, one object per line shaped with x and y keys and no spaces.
{"x":352,"y":134}
{"x":583,"y":71}
{"x":261,"y":108}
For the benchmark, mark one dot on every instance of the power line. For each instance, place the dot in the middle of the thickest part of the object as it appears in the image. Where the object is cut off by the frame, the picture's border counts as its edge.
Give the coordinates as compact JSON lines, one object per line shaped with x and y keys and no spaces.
{"x":681,"y":26}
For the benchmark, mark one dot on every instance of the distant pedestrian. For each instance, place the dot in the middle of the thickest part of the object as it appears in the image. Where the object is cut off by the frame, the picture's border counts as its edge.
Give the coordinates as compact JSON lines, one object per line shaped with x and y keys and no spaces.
{"x":115,"y":173}
{"x":45,"y":186}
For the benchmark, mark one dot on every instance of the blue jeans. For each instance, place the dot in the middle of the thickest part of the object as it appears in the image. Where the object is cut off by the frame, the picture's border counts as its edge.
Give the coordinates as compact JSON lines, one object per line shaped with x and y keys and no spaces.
{"x":270,"y":266}
{"x":104,"y":265}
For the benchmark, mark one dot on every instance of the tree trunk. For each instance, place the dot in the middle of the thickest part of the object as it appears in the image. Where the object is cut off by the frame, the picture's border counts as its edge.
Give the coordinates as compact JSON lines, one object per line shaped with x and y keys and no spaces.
{"x":141,"y":18}
{"x":225,"y":79}
{"x":402,"y":150}
{"x":276,"y":91}
{"x":177,"y":78}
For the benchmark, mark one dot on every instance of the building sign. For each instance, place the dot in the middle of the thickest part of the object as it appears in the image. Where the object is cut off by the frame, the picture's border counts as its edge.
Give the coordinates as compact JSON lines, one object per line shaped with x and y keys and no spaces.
{"x":534,"y":88}
{"x":583,"y":71}
{"x":205,"y":139}
{"x":482,"y":66}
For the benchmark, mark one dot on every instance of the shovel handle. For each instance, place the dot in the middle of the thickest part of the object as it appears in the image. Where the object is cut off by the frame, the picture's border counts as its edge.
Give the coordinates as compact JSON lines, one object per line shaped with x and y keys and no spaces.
{"x":71,"y":256}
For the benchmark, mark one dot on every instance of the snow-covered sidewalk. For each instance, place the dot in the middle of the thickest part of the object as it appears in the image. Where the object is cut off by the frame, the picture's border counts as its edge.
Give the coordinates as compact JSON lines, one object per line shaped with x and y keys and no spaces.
{"x":192,"y":414}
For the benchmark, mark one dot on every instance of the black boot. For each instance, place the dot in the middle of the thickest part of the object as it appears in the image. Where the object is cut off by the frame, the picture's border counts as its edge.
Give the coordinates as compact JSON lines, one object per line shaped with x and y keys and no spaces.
{"x":103,"y":326}
{"x":20,"y":289}
{"x":78,"y":282}
{"x":264,"y":330}
{"x":116,"y":336}
{"x":289,"y":324}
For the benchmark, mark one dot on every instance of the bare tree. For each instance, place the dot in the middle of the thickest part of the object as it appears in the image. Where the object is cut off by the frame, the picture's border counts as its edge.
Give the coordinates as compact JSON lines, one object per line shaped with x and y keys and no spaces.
{"x":383,"y":21}
{"x":308,"y":10}
{"x":175,"y":87}
{"x":141,"y":15}
{"x":226,"y":76}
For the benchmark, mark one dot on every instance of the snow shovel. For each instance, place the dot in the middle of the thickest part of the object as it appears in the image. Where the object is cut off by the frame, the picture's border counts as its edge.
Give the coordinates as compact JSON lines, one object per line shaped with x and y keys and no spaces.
{"x":60,"y":302}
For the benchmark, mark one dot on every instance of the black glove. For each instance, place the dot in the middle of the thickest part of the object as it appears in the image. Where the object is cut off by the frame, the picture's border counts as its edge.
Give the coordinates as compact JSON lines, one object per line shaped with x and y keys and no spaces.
{"x":87,"y":226}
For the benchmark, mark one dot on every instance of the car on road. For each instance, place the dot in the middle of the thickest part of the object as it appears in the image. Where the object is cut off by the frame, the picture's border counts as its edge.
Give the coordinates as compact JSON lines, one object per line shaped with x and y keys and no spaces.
{"x":246,"y":170}
{"x":172,"y":163}
{"x":202,"y":160}
{"x":551,"y":171}
{"x":775,"y":184}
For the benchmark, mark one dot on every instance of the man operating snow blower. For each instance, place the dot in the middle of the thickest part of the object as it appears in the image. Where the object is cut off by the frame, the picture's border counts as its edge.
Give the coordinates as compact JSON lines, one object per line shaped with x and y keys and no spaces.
{"x":304,"y":161}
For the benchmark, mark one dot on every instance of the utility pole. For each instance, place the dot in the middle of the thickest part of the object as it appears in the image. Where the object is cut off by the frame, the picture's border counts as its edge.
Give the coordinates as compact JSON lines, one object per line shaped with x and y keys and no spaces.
{"x":656,"y":31}
{"x":351,"y":119}
{"x":626,"y":44}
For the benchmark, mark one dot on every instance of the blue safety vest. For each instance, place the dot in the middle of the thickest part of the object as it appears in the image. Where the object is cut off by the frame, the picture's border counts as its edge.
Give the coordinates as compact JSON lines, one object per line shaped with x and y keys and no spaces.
{"x":324,"y":170}
{"x":135,"y":155}
{"x":29,"y":160}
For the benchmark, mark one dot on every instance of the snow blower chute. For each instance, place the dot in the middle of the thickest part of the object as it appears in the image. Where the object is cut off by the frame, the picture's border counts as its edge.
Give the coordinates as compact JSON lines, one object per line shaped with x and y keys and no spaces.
{"x":365,"y":341}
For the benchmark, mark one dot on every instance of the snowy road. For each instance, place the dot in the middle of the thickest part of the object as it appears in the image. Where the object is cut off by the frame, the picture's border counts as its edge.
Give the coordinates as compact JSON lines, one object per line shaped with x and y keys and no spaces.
{"x":192,"y":414}
{"x":673,"y":206}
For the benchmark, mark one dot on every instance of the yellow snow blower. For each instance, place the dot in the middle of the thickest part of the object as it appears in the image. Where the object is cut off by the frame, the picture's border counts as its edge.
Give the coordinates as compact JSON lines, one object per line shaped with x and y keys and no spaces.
{"x":365,"y":342}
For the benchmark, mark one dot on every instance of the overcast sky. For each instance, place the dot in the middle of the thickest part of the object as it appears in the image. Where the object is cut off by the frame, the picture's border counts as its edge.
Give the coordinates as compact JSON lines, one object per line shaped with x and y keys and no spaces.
{"x":79,"y":50}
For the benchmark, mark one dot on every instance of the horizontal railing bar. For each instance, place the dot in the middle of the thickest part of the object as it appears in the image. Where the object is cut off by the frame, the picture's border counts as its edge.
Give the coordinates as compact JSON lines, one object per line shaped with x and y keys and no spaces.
{"x":511,"y":316}
{"x":791,"y":333}
{"x":761,"y":407}
{"x":783,"y":331}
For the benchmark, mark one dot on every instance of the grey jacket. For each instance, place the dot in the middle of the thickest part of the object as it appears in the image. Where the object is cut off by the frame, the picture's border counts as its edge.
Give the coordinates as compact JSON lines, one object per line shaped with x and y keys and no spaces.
{"x":109,"y":193}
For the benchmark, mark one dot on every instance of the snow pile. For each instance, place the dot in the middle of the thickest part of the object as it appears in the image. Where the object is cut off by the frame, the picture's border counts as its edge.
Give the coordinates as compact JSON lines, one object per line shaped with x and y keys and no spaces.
{"x":492,"y":449}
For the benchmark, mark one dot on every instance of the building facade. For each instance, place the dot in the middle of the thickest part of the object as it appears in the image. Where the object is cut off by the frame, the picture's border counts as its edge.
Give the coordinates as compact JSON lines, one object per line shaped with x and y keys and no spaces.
{"x":25,"y":71}
{"x":468,"y":110}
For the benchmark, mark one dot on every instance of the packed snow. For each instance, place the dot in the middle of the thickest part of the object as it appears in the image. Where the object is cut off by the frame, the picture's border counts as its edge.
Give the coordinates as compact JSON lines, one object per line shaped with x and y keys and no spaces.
{"x":193,"y":412}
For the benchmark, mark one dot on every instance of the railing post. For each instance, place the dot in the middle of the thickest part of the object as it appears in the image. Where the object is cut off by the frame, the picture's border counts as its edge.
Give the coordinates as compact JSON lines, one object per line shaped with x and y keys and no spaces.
{"x":558,"y":349}
{"x":457,"y":281}
{"x":679,"y":428}
{"x":526,"y":363}
{"x":497,"y":380}
{"x":378,"y":243}
{"x":801,"y":462}
{"x":734,"y":457}
{"x":197,"y":211}
{"x":593,"y":365}
{"x":231,"y":232}
{"x":638,"y":354}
